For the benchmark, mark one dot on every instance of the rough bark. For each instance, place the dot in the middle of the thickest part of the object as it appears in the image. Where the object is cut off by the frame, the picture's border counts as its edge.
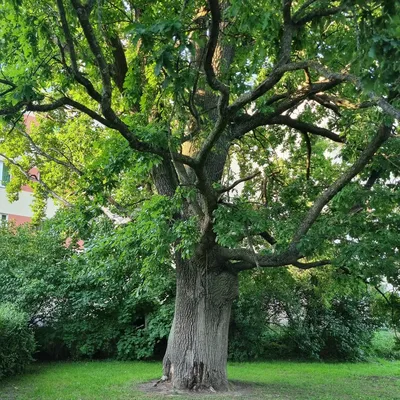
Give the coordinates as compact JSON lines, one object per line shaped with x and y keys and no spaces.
{"x":196,"y":356}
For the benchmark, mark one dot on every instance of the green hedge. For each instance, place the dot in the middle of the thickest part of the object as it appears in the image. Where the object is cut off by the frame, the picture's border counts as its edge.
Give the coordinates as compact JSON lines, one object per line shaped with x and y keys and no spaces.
{"x":16,"y":340}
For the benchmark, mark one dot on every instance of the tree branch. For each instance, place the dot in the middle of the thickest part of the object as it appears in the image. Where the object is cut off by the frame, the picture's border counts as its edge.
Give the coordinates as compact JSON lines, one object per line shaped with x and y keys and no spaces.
{"x":312,"y":264}
{"x":237,"y":182}
{"x":40,"y":151}
{"x":287,"y":33}
{"x":335,"y":103}
{"x":120,"y":66}
{"x":39,"y":181}
{"x":318,"y":13}
{"x":382,"y":135}
{"x":305,"y":127}
{"x":212,"y":80}
{"x":93,"y":93}
{"x":268,"y":237}
{"x":83,"y":17}
{"x":345,"y":77}
{"x":247,"y":259}
{"x":309,"y":150}
{"x":273,"y":78}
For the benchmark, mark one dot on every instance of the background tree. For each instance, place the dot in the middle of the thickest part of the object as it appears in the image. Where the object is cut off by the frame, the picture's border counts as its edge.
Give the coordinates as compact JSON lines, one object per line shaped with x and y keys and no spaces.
{"x":148,"y":108}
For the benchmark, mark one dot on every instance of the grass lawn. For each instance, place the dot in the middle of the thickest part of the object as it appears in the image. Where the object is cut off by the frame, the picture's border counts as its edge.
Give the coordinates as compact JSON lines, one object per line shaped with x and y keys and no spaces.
{"x":274,"y":380}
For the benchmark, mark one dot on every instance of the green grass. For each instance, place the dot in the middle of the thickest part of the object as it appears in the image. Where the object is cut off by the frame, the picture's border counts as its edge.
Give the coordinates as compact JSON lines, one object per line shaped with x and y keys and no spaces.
{"x":274,"y":380}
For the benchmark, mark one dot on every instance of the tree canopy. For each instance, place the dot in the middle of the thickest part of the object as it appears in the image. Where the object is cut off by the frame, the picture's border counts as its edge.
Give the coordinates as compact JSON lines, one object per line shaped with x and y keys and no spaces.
{"x":230,"y":135}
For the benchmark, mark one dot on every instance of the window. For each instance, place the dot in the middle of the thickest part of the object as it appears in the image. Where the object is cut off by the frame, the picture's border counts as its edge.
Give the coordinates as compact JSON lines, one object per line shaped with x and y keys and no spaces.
{"x":4,"y":175}
{"x":4,"y":218}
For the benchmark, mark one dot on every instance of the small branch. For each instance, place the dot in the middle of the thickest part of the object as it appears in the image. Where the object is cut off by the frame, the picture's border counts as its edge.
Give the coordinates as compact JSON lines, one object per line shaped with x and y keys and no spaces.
{"x":374,"y":176}
{"x":66,"y":101}
{"x":307,"y":4}
{"x":43,"y":153}
{"x":345,"y":77}
{"x":36,"y":179}
{"x":335,"y":103}
{"x":237,"y":182}
{"x":8,"y":83}
{"x":309,"y":150}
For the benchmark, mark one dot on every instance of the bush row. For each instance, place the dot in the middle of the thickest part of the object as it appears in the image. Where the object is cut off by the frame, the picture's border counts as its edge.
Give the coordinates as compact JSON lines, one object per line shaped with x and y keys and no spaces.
{"x":113,"y":301}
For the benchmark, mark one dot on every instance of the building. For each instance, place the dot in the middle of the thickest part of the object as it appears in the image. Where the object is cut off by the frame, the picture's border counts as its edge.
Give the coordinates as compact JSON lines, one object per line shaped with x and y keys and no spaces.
{"x":19,"y":211}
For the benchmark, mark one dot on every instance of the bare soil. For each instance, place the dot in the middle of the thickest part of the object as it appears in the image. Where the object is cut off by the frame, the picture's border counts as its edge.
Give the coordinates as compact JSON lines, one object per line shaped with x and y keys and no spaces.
{"x":236,"y":390}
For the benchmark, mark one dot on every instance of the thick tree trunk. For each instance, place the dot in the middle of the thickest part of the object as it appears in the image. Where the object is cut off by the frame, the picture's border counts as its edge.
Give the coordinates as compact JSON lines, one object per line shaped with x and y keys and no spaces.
{"x":197,"y":350}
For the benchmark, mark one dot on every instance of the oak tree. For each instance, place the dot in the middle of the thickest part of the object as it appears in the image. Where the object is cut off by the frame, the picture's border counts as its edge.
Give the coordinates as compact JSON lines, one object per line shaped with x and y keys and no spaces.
{"x":235,"y":134}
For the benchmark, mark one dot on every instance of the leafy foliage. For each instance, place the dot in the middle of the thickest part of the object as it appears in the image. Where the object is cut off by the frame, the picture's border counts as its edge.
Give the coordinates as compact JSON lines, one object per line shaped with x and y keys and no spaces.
{"x":16,"y":340}
{"x":306,"y":316}
{"x":99,"y":303}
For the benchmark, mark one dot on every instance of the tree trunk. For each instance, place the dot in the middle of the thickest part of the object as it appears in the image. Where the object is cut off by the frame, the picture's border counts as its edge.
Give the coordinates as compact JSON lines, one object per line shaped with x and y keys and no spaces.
{"x":197,"y":350}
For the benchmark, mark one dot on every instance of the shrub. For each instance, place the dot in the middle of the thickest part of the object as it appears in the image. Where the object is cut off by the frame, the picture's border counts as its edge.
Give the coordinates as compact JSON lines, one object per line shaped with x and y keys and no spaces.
{"x":100,"y":303}
{"x":304,"y":317}
{"x":384,"y":344}
{"x":16,"y":340}
{"x":340,"y":330}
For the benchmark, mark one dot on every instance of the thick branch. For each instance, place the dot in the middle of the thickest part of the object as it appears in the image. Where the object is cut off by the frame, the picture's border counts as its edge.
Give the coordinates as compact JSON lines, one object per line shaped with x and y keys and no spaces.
{"x":248,"y":259}
{"x":268,"y":237}
{"x":211,"y":140}
{"x":211,"y":47}
{"x":118,"y":125}
{"x":83,"y":16}
{"x":317,"y":13}
{"x":287,"y":33}
{"x":246,"y":123}
{"x":305,"y":127}
{"x":120,"y":67}
{"x":13,"y":109}
{"x":312,"y":264}
{"x":81,"y":79}
{"x":273,"y":78}
{"x":314,"y":212}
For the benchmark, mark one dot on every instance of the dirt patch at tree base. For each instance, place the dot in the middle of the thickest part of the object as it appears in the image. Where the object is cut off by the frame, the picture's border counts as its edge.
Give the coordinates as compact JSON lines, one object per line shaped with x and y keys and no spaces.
{"x":237,"y":389}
